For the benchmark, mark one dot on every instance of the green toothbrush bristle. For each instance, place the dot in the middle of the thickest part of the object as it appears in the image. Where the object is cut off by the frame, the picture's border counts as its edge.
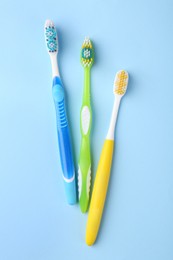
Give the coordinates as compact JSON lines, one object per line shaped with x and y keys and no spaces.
{"x":87,"y":54}
{"x":51,"y":37}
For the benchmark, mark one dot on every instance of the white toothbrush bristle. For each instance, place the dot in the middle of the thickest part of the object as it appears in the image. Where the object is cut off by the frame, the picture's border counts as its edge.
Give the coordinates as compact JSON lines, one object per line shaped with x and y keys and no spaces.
{"x":87,"y":53}
{"x":51,"y":37}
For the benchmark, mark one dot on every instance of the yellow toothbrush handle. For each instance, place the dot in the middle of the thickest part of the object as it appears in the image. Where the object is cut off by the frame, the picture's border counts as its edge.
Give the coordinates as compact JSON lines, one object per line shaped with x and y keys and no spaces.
{"x":99,"y":192}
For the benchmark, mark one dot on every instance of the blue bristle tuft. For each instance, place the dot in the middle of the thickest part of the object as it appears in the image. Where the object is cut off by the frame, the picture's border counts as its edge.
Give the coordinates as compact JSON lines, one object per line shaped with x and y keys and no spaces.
{"x":51,"y":38}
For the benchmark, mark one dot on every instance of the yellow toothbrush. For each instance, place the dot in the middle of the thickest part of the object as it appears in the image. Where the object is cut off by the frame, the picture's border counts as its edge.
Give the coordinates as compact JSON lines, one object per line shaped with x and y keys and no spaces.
{"x":104,"y":167}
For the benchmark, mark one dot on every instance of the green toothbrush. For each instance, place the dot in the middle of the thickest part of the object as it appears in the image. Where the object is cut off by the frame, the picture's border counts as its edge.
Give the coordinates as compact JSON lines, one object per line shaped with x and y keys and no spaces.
{"x":84,"y":172}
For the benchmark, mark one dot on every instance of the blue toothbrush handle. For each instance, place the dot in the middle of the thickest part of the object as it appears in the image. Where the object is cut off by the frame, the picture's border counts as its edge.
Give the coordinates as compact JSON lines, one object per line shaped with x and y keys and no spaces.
{"x":65,"y":148}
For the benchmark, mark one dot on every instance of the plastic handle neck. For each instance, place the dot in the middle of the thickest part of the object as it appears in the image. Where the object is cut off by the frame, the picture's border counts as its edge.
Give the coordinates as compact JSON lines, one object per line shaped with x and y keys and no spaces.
{"x":110,"y":134}
{"x":86,"y":94}
{"x":54,"y":63}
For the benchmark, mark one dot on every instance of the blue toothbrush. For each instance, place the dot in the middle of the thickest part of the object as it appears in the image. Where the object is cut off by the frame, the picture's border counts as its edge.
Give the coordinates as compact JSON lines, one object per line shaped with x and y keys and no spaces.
{"x":65,"y":148}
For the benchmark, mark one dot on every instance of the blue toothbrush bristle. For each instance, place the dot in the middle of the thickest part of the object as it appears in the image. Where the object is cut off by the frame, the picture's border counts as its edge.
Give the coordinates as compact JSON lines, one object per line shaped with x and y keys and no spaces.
{"x":51,"y":38}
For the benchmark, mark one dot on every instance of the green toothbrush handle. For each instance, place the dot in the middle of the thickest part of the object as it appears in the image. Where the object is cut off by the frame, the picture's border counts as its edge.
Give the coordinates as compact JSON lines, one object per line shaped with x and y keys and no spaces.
{"x":84,"y":173}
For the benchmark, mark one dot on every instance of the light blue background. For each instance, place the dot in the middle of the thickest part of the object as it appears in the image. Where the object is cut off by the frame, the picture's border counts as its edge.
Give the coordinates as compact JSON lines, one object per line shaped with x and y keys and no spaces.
{"x":35,"y":221}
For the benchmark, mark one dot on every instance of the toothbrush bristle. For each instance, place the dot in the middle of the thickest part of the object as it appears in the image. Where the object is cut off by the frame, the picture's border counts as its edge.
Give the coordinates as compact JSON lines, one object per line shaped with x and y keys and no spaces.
{"x":51,"y":37}
{"x":121,"y":82}
{"x":87,"y":54}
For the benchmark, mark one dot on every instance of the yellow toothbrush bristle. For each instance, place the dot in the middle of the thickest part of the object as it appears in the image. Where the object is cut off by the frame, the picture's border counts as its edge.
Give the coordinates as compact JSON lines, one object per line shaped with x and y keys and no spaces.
{"x":87,"y":53}
{"x":120,"y":83}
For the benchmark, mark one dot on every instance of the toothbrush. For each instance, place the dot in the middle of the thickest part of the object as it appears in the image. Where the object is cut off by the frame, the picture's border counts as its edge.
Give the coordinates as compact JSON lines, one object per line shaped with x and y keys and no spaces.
{"x":63,"y":132}
{"x":104,"y":167}
{"x":84,"y":171}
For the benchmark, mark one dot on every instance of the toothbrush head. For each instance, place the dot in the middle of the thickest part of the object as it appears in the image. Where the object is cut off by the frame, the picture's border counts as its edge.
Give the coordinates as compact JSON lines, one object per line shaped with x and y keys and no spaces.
{"x":87,"y":53}
{"x":51,"y":37}
{"x":121,"y":82}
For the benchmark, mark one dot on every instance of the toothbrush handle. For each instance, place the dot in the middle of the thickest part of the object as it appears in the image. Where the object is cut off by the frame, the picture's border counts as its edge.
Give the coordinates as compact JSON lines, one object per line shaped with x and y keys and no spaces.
{"x":64,"y":141}
{"x":99,"y":192}
{"x":84,"y":173}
